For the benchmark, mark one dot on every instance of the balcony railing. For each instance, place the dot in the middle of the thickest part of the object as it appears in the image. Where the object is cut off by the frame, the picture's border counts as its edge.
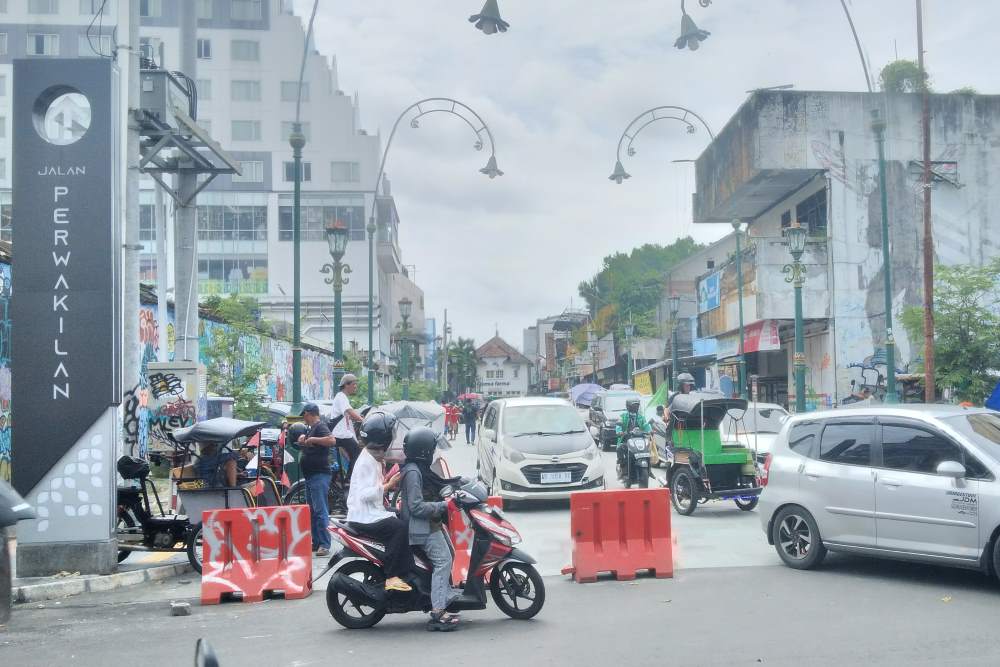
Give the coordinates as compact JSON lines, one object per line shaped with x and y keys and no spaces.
{"x":222,"y":287}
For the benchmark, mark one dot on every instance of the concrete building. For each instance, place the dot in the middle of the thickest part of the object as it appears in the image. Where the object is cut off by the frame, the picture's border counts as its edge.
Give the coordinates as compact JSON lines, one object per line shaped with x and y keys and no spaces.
{"x":547,"y":347}
{"x":248,"y":58}
{"x":811,"y":157}
{"x":501,"y":370}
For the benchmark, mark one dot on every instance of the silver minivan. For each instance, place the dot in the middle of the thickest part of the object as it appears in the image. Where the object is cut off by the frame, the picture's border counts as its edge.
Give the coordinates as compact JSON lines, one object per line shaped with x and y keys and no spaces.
{"x":912,"y":482}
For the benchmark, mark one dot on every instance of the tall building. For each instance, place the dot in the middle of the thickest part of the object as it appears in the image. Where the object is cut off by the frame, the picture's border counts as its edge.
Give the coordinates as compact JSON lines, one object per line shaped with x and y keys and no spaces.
{"x":248,"y":58}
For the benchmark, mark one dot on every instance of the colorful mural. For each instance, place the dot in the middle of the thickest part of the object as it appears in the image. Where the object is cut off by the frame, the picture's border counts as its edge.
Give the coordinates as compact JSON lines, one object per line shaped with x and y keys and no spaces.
{"x":5,"y":371}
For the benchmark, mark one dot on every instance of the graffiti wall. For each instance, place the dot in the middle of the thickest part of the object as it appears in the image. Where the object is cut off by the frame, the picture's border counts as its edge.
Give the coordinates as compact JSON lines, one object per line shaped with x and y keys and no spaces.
{"x":5,"y":371}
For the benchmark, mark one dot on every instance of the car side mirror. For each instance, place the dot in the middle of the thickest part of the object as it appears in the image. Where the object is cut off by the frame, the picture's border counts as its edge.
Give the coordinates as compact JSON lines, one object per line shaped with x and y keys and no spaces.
{"x":952,"y":469}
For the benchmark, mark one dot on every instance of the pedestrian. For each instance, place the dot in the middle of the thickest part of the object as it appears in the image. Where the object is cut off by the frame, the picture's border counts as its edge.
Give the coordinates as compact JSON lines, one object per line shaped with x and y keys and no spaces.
{"x":469,"y":414}
{"x":344,"y":416}
{"x":315,"y":466}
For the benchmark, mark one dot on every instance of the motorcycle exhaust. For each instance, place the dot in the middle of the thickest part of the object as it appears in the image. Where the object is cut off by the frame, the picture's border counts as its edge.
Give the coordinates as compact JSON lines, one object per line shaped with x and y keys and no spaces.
{"x":357,"y":590}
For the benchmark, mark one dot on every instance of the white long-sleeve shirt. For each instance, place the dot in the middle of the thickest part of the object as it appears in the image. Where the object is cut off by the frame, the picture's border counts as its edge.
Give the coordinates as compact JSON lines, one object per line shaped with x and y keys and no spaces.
{"x":365,"y":499}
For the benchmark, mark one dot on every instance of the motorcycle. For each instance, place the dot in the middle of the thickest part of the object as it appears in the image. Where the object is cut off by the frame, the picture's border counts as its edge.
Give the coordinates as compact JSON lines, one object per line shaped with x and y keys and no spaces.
{"x":356,"y":597}
{"x":636,"y":460}
{"x":12,"y":509}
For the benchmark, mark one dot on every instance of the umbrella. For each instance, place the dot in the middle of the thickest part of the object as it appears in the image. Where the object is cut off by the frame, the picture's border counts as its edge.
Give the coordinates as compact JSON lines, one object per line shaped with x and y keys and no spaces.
{"x":410,"y":415}
{"x":470,"y":397}
{"x":582,"y":394}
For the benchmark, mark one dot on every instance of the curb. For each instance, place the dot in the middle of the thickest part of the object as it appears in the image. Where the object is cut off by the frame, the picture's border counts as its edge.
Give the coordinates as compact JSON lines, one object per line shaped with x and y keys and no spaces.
{"x":51,"y":590}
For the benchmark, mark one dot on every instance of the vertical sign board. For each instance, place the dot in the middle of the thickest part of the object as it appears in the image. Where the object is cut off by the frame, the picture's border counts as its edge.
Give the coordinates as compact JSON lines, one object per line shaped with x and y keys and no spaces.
{"x":66,"y":308}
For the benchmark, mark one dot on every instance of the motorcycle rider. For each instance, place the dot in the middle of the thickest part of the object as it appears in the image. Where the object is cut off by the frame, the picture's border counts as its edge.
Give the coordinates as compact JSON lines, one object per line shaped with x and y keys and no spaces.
{"x":424,"y":513}
{"x":685,"y":385}
{"x":630,"y":419}
{"x":366,"y":511}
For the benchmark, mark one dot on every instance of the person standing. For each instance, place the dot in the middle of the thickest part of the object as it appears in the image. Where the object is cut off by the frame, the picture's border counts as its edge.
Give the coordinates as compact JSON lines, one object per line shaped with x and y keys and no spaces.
{"x":469,"y":415}
{"x":315,"y":465}
{"x":345,"y":416}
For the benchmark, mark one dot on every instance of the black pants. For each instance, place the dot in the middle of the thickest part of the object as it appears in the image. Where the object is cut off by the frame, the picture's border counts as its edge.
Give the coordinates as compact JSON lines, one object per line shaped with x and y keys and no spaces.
{"x":394,"y":533}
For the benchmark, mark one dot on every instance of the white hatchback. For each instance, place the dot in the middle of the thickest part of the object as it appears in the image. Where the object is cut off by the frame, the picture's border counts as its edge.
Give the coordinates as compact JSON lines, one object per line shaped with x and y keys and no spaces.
{"x":537,"y":448}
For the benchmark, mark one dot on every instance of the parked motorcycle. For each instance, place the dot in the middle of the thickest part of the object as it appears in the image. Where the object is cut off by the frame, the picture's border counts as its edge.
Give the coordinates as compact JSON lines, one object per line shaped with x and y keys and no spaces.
{"x":636,"y":460}
{"x":356,"y":596}
{"x":12,"y":509}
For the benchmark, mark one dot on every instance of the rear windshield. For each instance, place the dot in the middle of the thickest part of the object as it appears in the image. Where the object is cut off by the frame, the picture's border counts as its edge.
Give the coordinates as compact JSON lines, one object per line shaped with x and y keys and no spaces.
{"x":616,"y":402}
{"x":982,"y":428}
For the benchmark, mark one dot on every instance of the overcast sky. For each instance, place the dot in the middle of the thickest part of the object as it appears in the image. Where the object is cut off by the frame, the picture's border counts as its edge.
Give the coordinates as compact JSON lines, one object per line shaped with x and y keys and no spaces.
{"x":558,"y":89}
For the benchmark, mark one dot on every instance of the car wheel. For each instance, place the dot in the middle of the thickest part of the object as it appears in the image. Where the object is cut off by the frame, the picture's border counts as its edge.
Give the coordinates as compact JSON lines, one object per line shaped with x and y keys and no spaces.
{"x":996,"y":558}
{"x":684,"y":492}
{"x":796,"y":538}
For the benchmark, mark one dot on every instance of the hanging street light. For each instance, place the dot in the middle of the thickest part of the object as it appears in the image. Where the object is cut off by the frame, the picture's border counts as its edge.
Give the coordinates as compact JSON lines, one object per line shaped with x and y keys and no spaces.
{"x":796,"y":237}
{"x":337,"y":236}
{"x":488,"y":19}
{"x":619,"y":174}
{"x":691,"y":35}
{"x":690,"y":119}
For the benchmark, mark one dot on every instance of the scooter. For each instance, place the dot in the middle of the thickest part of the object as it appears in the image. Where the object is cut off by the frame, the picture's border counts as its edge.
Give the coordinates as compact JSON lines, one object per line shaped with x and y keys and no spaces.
{"x":356,"y":596}
{"x":12,"y":509}
{"x":636,"y":460}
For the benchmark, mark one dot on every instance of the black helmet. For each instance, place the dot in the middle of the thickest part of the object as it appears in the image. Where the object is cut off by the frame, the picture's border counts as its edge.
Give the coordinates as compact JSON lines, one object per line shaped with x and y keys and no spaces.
{"x":632,"y":405}
{"x":294,"y":431}
{"x":378,"y":429}
{"x":419,"y":444}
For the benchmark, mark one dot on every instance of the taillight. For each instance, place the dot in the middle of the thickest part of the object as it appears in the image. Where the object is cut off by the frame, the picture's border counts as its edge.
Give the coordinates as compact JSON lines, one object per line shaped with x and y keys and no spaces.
{"x":767,"y":470}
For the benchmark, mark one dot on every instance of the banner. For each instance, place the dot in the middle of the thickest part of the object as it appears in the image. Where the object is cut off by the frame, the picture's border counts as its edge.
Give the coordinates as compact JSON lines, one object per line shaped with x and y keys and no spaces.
{"x":709,"y":292}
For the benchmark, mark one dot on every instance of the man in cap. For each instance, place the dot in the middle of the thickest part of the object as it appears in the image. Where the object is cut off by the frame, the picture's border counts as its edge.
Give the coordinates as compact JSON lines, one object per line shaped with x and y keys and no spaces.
{"x":344,"y":416}
{"x":315,"y":466}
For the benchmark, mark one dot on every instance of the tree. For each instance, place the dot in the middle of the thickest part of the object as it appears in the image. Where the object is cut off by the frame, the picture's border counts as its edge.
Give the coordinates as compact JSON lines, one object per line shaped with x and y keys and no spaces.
{"x":902,"y":76}
{"x":420,"y":390}
{"x":231,"y":372}
{"x":461,"y":365}
{"x":966,"y":331}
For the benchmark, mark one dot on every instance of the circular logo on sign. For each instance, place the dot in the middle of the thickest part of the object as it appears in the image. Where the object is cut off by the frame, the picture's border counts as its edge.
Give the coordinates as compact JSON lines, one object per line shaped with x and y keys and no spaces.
{"x":62,"y":115}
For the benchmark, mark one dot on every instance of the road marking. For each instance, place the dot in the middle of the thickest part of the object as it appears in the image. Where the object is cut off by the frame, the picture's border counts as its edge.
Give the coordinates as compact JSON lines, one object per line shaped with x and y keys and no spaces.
{"x":157,"y":557}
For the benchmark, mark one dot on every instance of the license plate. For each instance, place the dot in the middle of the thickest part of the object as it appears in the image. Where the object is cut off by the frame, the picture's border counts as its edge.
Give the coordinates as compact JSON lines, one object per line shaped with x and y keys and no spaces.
{"x":556,"y":477}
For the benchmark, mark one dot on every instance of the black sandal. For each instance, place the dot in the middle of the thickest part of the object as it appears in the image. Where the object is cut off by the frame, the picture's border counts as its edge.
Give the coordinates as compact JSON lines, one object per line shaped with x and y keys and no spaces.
{"x":442,"y":622}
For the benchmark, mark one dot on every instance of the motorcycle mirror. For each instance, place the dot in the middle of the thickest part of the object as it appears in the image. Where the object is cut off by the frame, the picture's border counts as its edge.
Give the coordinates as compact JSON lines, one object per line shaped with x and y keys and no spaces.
{"x":204,"y":655}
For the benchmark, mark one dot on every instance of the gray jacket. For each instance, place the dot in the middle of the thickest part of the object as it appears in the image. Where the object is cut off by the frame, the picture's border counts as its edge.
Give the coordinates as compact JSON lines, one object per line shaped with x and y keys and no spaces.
{"x":417,"y":512}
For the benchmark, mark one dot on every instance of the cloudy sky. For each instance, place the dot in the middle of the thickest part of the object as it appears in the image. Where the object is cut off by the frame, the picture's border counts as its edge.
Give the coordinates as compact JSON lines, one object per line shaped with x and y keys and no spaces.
{"x":558,"y":89}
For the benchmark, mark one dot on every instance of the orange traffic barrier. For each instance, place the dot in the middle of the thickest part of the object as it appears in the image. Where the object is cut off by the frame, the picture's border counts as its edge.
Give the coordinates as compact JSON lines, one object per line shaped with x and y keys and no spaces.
{"x":622,"y":532}
{"x":461,"y":537}
{"x":252,"y":553}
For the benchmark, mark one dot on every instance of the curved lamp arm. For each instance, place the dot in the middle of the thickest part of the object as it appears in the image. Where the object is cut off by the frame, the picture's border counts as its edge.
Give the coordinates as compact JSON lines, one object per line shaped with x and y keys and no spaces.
{"x":647,"y":118}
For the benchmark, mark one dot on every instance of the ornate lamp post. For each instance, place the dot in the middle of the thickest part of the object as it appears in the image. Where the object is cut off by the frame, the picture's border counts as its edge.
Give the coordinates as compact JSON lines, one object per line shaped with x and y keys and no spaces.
{"x":878,"y":126}
{"x":675,"y":307}
{"x":405,"y":310}
{"x":796,"y":235}
{"x":629,"y":332}
{"x":336,"y":238}
{"x":738,"y":228}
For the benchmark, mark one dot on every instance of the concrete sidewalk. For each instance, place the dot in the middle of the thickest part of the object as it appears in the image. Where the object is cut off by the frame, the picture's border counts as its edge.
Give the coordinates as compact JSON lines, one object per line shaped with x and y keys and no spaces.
{"x":137,"y":569}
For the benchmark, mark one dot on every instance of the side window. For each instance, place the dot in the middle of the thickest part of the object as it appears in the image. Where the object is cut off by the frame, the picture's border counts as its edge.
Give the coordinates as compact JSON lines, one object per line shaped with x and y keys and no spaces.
{"x":849,"y":444}
{"x":913,"y":449}
{"x":490,"y":420}
{"x":596,"y":403}
{"x":802,"y":438}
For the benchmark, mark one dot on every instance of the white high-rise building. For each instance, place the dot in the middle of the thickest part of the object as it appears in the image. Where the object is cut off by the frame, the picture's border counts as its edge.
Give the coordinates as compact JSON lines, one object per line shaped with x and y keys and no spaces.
{"x":248,"y":58}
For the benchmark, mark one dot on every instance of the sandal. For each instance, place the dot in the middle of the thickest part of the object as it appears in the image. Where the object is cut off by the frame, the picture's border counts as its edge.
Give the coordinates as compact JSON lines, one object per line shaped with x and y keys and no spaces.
{"x":397,"y":584}
{"x":442,"y":622}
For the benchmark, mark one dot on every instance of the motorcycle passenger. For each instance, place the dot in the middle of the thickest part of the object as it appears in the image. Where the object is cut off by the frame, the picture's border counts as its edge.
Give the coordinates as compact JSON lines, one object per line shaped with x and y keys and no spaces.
{"x":685,"y":382}
{"x":366,"y":511}
{"x":630,"y":419}
{"x":425,"y":513}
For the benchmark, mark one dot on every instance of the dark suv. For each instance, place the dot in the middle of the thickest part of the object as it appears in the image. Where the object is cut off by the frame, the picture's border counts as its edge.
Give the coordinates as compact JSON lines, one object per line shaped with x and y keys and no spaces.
{"x":606,"y":410}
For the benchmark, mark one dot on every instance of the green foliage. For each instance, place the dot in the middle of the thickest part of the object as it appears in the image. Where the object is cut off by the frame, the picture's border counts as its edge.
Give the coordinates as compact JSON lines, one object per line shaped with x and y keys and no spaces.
{"x":633,"y":284}
{"x":230,"y":372}
{"x":902,"y":76}
{"x":461,"y":365}
{"x":419,"y":391}
{"x":966,"y":329}
{"x":964,"y":90}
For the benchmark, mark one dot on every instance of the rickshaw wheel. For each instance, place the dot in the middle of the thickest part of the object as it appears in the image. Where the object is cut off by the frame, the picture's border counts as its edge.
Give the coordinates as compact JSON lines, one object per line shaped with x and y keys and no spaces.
{"x":746,"y":505}
{"x":684,"y":492}
{"x":194,"y":547}
{"x":341,"y":607}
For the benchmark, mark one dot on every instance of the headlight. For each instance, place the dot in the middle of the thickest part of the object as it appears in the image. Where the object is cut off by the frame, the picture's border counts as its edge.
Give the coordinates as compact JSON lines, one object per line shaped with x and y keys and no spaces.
{"x":512,"y":455}
{"x":641,"y":446}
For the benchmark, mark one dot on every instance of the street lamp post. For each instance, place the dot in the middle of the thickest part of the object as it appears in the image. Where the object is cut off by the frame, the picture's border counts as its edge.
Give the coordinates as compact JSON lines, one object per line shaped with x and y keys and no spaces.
{"x":405,"y":309}
{"x":629,"y":332}
{"x":796,"y":235}
{"x":643,"y":120}
{"x":878,"y":126}
{"x":422,"y":108}
{"x":675,"y":307}
{"x":336,"y":238}
{"x":737,"y":226}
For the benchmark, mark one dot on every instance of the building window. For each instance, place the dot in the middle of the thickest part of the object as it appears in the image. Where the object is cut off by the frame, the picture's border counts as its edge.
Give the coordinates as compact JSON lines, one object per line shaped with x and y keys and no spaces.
{"x":290,"y":90}
{"x":232,"y":223}
{"x":43,"y":45}
{"x":253,"y":172}
{"x":94,"y":46}
{"x":3,"y":169}
{"x":244,"y":49}
{"x":91,"y":7}
{"x":5,"y":209}
{"x":246,"y":10}
{"x":43,"y":6}
{"x":150,"y":8}
{"x":811,"y":213}
{"x":232,"y":275}
{"x":315,"y":218}
{"x":517,"y":370}
{"x":290,"y":172}
{"x":147,"y":270}
{"x":246,"y":130}
{"x":205,"y":9}
{"x":204,"y":87}
{"x":3,"y":85}
{"x":499,"y":374}
{"x":245,"y":91}
{"x":147,"y":222}
{"x":3,"y":43}
{"x":286,"y":130}
{"x":205,"y":49}
{"x":345,"y":172}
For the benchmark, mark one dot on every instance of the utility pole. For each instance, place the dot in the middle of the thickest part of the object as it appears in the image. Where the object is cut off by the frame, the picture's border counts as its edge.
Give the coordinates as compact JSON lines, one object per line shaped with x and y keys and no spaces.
{"x":185,"y":218}
{"x":878,"y":126}
{"x":132,"y":361}
{"x":444,"y":336}
{"x":162,"y":274}
{"x":929,"y":390}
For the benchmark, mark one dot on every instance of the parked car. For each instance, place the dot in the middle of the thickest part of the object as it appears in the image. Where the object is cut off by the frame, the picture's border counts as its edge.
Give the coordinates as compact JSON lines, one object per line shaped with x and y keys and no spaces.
{"x":914,"y":482}
{"x":606,"y":410}
{"x":536,"y":448}
{"x":755,"y":428}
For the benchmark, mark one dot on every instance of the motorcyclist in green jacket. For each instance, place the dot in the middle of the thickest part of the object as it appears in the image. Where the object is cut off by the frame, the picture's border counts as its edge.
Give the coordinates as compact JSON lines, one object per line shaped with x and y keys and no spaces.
{"x":630,"y":419}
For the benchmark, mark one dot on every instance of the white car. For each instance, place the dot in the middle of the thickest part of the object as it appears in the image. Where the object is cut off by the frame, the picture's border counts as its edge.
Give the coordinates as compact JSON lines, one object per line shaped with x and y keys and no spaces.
{"x":537,"y":448}
{"x":756,"y":428}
